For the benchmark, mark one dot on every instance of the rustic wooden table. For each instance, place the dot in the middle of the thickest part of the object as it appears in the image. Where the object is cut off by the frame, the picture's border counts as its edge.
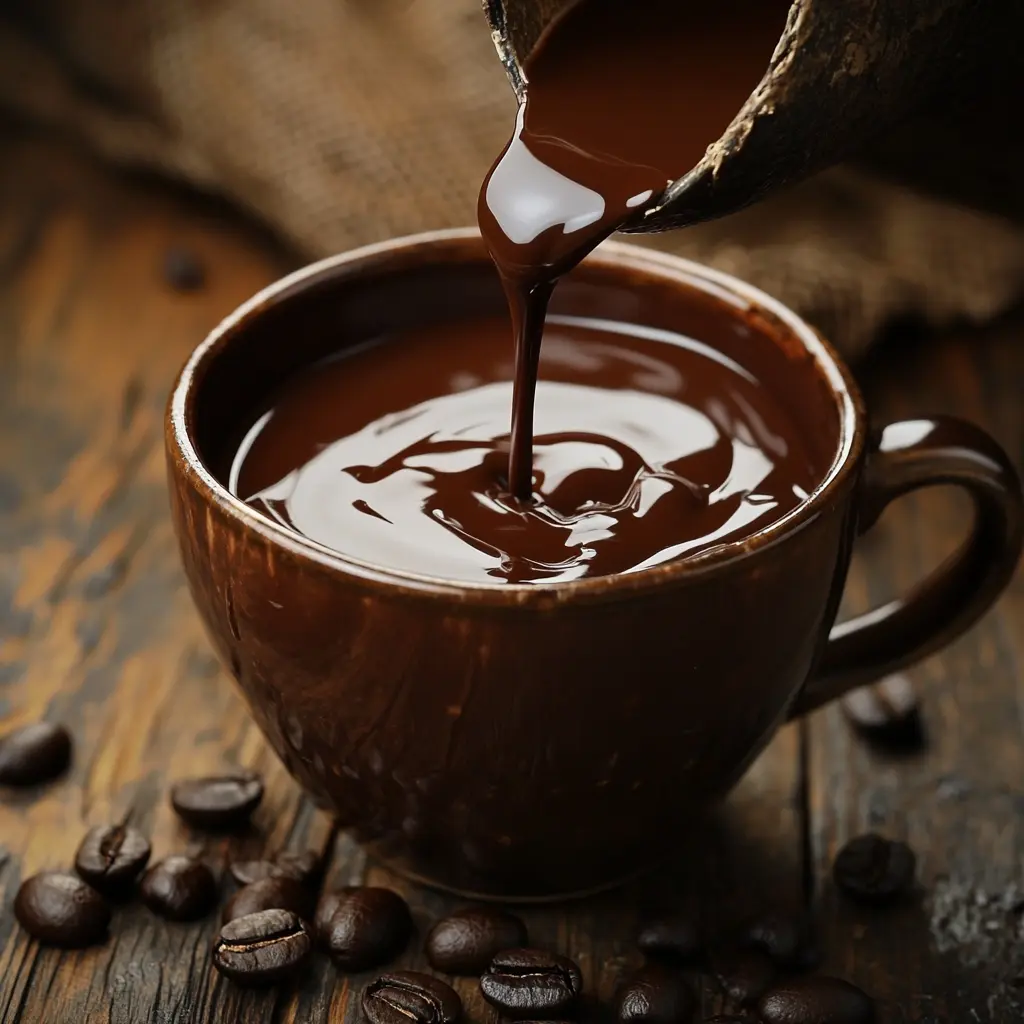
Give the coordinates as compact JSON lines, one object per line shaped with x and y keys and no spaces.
{"x":97,"y":631}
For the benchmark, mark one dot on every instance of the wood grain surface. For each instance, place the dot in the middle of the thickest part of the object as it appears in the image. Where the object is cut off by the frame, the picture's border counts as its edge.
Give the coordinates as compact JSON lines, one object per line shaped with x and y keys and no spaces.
{"x":97,"y":631}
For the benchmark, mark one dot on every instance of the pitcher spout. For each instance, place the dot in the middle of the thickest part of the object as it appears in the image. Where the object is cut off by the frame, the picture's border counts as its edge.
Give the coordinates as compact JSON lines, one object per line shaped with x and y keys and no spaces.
{"x":842,"y":73}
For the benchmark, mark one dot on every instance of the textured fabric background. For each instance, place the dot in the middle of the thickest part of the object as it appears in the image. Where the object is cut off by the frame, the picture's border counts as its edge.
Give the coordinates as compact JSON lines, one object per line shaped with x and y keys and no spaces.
{"x":341,"y":122}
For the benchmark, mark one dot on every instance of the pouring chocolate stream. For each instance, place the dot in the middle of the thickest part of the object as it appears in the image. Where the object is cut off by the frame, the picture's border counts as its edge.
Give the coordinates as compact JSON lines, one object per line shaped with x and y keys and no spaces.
{"x":621,"y":99}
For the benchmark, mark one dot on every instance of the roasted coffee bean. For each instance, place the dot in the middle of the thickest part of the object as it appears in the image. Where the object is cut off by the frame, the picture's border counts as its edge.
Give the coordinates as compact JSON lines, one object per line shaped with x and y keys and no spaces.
{"x":59,"y":909}
{"x":179,"y":888}
{"x":468,"y":940}
{"x":871,"y":869}
{"x":727,"y":1018}
{"x":302,"y":867}
{"x":671,"y":940}
{"x":183,"y":270}
{"x":368,"y":928}
{"x":34,"y":753}
{"x":743,"y":975}
{"x":655,"y":995}
{"x":887,"y":715}
{"x":325,"y":908}
{"x":218,"y":803}
{"x":407,"y":997}
{"x":111,"y":858}
{"x":270,"y":894}
{"x":531,"y":983}
{"x":816,"y":1001}
{"x":262,"y":948}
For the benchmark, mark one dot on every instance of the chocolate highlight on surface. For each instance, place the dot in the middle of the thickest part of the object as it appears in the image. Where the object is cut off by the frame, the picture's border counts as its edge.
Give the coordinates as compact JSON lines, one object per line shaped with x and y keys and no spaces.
{"x":650,"y":445}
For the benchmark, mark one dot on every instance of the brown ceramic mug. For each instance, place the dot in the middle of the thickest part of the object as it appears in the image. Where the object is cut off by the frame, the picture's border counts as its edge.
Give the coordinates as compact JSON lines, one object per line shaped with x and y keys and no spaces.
{"x":532,"y":740}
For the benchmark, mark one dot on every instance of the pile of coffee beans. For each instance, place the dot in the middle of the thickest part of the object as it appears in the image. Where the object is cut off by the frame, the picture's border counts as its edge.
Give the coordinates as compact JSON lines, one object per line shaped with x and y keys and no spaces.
{"x":73,"y":910}
{"x":273,"y":920}
{"x":757,"y":969}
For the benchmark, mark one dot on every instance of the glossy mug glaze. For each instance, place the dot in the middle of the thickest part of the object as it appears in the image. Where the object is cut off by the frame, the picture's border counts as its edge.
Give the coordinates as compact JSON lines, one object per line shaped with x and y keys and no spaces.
{"x":530,"y":740}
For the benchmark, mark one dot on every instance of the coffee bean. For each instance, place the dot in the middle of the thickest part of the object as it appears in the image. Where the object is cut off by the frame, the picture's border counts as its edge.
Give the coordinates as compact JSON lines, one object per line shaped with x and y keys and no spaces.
{"x":183,"y":270}
{"x":887,"y":715}
{"x":369,"y":927}
{"x":34,"y":753}
{"x":780,"y":936}
{"x":59,"y":909}
{"x":655,"y":995}
{"x":325,"y":908}
{"x":727,"y":1018}
{"x":467,"y":941}
{"x":179,"y":888}
{"x":302,"y":867}
{"x":816,"y":1001}
{"x":874,"y":870}
{"x":270,"y":894}
{"x":671,"y":940}
{"x":218,"y":803}
{"x":531,"y":983}
{"x":407,"y":997}
{"x":743,"y":975}
{"x":111,"y":858}
{"x":262,"y":948}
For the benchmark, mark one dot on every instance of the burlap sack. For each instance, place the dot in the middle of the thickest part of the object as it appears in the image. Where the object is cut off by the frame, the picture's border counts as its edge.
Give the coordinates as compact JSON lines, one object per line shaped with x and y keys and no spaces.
{"x":341,"y":122}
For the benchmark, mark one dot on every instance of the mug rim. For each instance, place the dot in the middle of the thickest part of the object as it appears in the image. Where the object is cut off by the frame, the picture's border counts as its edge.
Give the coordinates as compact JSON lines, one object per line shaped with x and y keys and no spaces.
{"x":614,"y":255}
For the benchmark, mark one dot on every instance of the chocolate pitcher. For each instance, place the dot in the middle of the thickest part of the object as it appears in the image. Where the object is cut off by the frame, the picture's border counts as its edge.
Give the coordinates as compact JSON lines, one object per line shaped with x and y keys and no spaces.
{"x":924,"y":92}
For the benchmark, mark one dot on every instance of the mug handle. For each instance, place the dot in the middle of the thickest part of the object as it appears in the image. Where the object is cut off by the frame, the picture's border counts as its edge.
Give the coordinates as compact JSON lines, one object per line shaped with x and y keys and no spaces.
{"x":909,"y":455}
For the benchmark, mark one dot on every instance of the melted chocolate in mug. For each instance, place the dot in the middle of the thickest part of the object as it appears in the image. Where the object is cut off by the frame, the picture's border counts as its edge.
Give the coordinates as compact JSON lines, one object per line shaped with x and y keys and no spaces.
{"x":638,"y":445}
{"x":649,"y":445}
{"x":623,"y":97}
